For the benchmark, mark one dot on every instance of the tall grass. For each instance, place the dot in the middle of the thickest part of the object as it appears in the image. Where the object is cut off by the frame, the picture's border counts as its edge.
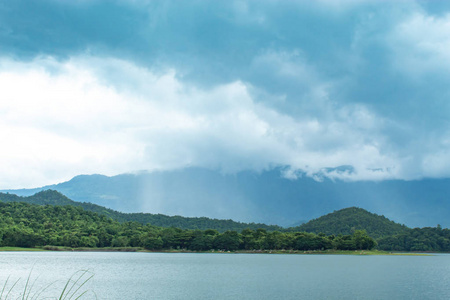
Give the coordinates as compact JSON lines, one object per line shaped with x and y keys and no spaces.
{"x":73,"y":288}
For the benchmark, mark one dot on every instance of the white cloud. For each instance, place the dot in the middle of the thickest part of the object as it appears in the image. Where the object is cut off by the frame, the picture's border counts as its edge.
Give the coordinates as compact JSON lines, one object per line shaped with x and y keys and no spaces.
{"x":421,"y":44}
{"x":59,"y":119}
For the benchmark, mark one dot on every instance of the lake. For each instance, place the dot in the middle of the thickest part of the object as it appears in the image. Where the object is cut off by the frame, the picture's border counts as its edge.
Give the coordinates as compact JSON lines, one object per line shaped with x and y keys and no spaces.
{"x":231,"y":276}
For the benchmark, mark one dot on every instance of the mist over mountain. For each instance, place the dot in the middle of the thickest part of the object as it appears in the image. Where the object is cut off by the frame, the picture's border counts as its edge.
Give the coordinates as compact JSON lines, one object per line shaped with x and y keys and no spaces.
{"x":265,"y":197}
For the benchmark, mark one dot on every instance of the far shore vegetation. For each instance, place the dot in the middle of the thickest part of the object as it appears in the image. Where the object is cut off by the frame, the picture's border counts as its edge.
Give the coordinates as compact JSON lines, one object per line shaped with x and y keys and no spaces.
{"x":28,"y":225}
{"x":35,"y":227}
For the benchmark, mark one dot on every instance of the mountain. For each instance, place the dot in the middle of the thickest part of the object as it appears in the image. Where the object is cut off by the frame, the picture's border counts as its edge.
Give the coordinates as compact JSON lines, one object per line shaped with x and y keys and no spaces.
{"x":347,"y":220}
{"x":51,"y":197}
{"x":265,"y":197}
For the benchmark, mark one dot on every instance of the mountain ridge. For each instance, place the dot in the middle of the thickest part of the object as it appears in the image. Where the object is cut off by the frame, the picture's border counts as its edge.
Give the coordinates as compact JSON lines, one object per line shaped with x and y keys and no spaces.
{"x":52,"y":197}
{"x":342,"y":222}
{"x":264,"y":197}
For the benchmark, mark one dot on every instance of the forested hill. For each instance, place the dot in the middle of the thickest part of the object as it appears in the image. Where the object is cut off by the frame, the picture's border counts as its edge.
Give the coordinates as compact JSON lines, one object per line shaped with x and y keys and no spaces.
{"x":43,"y":221}
{"x":51,"y":197}
{"x":53,"y":226}
{"x":347,"y":220}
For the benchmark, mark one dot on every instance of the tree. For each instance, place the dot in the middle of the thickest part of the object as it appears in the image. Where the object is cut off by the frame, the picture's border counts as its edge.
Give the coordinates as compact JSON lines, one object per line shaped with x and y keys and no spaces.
{"x":362,"y":241}
{"x":229,"y":241}
{"x":152,"y":242}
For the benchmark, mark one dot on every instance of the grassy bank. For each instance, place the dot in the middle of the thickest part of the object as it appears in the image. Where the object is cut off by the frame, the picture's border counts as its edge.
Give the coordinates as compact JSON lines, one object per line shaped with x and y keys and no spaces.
{"x":20,"y":249}
{"x":298,"y":252}
{"x":139,"y":249}
{"x":329,"y":252}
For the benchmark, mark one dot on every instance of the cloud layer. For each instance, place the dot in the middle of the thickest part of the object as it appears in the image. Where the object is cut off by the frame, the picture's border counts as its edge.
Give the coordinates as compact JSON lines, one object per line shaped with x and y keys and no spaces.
{"x":92,"y":87}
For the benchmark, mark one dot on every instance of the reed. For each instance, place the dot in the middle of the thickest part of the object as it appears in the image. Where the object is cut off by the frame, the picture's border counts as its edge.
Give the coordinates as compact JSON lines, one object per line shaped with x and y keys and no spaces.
{"x":73,"y":288}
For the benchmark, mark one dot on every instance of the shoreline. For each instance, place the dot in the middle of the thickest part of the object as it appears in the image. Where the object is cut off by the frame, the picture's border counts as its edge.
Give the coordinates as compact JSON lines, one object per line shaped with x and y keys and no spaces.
{"x":137,"y":249}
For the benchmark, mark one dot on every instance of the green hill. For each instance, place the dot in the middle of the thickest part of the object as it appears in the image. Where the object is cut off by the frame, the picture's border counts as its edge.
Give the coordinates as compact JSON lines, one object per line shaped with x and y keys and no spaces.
{"x":347,"y":220}
{"x":53,"y":226}
{"x":51,"y":197}
{"x":50,"y":218}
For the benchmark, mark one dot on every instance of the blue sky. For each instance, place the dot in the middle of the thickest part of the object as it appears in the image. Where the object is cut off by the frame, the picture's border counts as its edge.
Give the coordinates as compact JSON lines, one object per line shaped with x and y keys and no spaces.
{"x":121,"y":86}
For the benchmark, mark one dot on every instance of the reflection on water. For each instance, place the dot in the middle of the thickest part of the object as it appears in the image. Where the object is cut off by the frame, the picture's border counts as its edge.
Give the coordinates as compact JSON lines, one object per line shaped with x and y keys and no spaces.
{"x":233,"y":276}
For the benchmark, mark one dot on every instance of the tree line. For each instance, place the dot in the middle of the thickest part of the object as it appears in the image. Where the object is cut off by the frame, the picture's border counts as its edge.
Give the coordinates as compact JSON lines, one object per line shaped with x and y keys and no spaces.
{"x":30,"y":225}
{"x":433,"y":239}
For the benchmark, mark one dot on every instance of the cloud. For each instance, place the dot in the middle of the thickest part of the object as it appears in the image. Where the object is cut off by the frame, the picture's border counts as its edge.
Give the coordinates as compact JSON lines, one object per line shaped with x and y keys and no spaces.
{"x":112,"y":87}
{"x":105,"y":115}
{"x":421,"y":44}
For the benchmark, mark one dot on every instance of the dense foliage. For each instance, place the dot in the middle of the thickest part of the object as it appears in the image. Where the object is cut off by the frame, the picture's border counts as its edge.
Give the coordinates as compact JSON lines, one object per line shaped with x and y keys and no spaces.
{"x":77,"y":224}
{"x":390,"y":236}
{"x":30,"y":225}
{"x":418,"y":239}
{"x":347,"y":220}
{"x":51,"y":197}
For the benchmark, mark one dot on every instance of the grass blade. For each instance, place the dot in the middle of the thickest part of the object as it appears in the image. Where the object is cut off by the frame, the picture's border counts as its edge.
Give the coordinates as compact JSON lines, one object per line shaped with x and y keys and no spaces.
{"x":65,"y":294}
{"x":4,"y":287}
{"x":11,"y":288}
{"x":73,"y":284}
{"x":81,"y":285}
{"x":38,"y":293}
{"x":65,"y":287}
{"x":31,"y":287}
{"x":70,"y":290}
{"x":26,"y":285}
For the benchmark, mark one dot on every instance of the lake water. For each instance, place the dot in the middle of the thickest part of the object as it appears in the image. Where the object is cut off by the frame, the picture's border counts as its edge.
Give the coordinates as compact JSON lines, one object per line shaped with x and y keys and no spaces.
{"x":231,"y":276}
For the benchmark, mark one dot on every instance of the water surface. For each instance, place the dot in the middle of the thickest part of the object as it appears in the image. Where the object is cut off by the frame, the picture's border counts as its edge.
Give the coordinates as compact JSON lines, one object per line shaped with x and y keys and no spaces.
{"x":234,"y":276}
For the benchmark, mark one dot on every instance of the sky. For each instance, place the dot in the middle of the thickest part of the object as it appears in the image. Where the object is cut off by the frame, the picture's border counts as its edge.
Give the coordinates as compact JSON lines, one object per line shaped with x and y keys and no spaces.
{"x":346,"y":89}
